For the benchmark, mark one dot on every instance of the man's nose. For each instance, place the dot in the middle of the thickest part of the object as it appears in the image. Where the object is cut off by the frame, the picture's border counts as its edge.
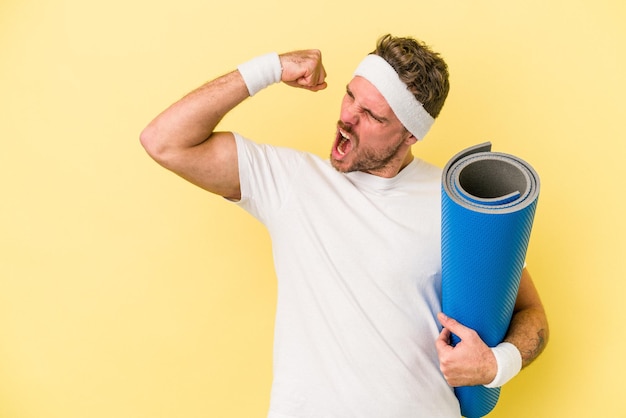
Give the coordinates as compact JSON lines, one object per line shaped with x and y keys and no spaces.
{"x":349,"y":114}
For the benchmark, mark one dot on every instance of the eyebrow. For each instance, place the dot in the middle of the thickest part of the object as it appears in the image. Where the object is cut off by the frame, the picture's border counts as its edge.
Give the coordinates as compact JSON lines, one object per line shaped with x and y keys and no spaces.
{"x":365,"y":109}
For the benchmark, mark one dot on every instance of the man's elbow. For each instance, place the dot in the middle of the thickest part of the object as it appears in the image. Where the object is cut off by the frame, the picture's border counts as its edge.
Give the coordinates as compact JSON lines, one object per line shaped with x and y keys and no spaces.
{"x":154,"y":145}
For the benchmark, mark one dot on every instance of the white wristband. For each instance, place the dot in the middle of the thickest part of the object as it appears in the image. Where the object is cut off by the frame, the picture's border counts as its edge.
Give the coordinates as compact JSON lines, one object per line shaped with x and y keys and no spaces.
{"x":261,"y":72}
{"x":509,"y":362}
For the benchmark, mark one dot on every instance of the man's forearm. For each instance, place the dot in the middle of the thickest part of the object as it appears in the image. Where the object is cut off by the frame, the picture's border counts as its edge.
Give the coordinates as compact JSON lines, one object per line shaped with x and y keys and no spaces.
{"x":528,"y":331}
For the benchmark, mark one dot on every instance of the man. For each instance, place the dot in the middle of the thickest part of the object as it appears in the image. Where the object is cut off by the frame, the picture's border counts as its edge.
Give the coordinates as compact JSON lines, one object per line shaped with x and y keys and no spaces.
{"x":356,"y":239}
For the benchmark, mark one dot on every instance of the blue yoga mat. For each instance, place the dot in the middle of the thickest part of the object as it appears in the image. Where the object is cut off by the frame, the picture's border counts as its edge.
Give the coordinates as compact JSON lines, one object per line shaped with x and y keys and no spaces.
{"x":488,"y":207}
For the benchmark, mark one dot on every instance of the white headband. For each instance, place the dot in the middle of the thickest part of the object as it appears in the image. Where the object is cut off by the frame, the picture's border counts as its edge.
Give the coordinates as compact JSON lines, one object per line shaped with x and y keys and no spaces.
{"x":405,"y":106}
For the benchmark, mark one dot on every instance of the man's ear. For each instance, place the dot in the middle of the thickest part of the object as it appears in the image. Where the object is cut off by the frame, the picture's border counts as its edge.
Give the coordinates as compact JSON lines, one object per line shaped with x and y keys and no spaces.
{"x":411,"y":139}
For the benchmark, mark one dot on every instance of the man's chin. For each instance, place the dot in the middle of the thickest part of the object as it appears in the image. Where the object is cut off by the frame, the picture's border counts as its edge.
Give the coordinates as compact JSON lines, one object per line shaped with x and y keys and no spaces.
{"x":340,"y":165}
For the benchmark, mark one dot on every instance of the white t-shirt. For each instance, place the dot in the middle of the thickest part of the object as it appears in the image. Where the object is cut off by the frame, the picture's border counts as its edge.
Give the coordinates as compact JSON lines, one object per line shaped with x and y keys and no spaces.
{"x":359,"y":280}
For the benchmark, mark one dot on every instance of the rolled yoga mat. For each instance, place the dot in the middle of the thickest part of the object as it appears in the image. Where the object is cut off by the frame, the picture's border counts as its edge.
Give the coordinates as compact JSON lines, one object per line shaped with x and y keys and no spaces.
{"x":488,"y":206}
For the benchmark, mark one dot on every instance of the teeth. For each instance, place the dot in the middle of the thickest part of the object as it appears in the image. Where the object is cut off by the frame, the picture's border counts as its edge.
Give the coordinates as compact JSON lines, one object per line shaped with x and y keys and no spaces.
{"x":345,"y":137}
{"x":340,"y":146}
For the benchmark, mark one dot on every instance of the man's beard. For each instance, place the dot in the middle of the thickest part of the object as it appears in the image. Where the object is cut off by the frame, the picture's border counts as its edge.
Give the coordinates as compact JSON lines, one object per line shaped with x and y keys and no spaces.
{"x":367,"y":160}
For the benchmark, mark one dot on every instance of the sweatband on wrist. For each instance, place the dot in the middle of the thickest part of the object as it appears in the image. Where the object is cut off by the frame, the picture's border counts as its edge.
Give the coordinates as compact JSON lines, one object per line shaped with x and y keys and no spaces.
{"x":409,"y":111}
{"x":261,"y":72}
{"x":509,"y":362}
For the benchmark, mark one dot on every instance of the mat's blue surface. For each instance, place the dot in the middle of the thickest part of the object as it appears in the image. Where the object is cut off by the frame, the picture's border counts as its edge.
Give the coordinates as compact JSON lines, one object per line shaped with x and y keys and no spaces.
{"x":488,"y":207}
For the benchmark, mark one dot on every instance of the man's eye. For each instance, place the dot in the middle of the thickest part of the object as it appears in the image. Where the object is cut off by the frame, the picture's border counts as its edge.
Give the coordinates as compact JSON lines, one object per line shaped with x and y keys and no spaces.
{"x":375,"y":118}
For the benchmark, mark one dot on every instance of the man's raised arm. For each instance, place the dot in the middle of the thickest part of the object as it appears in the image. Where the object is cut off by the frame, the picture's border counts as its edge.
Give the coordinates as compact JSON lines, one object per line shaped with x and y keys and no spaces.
{"x":182,"y":138}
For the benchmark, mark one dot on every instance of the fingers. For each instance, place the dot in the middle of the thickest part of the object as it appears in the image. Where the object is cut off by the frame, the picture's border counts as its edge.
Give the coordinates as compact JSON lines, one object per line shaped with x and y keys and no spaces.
{"x":307,"y":85}
{"x":304,"y":69}
{"x":455,"y":326}
{"x":444,"y":338}
{"x":468,"y":363}
{"x":315,"y":82}
{"x":442,"y":344}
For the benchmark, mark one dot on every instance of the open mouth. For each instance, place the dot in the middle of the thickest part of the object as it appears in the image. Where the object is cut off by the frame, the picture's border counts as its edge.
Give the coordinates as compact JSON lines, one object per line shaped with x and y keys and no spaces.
{"x":343,"y":144}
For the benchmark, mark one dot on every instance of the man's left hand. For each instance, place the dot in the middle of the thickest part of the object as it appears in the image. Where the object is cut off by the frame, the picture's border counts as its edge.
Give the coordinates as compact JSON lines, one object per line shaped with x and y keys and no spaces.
{"x":468,"y":363}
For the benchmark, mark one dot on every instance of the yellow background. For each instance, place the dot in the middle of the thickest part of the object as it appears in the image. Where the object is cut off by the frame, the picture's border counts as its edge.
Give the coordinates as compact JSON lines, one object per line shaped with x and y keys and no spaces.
{"x":126,"y":292}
